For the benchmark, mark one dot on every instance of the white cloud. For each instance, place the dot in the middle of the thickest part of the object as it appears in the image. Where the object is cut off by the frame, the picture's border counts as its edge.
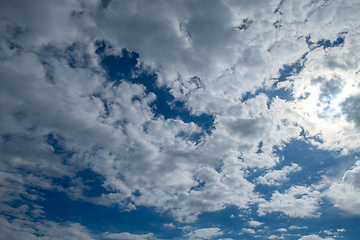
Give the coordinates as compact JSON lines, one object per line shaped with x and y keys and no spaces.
{"x":276,"y":237}
{"x":253,"y":223}
{"x":274,"y":177}
{"x":205,"y":233}
{"x":298,"y":201}
{"x":314,"y":237}
{"x":346,"y":194}
{"x":248,"y":230}
{"x":281,"y":230}
{"x":292,"y":227}
{"x":169,"y":225}
{"x":21,"y":229}
{"x":334,"y":122}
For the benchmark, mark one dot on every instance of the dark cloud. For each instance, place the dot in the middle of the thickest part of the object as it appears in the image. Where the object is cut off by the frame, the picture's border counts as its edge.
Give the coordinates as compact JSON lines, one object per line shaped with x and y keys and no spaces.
{"x":351,"y":108}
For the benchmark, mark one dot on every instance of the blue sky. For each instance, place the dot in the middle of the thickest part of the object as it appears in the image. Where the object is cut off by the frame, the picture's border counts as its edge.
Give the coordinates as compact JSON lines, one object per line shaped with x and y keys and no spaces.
{"x":198,"y":120}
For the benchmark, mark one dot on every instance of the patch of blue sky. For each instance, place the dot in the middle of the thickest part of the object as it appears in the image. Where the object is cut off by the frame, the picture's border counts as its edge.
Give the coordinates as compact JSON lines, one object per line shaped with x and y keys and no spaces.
{"x":328,"y":220}
{"x":93,"y":183}
{"x":282,"y":93}
{"x":291,"y":69}
{"x":245,"y":24}
{"x":314,"y":163}
{"x":326,"y":43}
{"x":59,"y":207}
{"x":232,"y":220}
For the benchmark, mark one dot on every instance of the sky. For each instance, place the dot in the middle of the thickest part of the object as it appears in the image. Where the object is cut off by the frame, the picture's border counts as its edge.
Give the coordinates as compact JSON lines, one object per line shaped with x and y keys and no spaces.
{"x":149,"y":120}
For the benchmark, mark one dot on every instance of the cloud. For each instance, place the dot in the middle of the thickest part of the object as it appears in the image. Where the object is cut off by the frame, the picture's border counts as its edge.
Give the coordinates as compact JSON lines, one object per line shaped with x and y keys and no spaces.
{"x":169,"y":225}
{"x":351,"y":107}
{"x":128,"y":236}
{"x":276,"y":237}
{"x":298,"y":201}
{"x":326,"y":111}
{"x":248,"y":230}
{"x":292,"y":227}
{"x":275,"y":176}
{"x":345,"y":194}
{"x":314,"y":237}
{"x":253,"y":223}
{"x":205,"y":233}
{"x":25,"y":229}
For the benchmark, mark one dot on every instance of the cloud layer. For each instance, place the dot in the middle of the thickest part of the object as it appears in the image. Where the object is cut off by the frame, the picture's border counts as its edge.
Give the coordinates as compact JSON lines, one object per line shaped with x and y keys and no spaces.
{"x":178,"y":106}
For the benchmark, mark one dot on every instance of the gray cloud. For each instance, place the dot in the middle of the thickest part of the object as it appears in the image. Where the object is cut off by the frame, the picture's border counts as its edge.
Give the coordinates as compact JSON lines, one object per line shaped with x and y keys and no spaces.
{"x":351,"y":108}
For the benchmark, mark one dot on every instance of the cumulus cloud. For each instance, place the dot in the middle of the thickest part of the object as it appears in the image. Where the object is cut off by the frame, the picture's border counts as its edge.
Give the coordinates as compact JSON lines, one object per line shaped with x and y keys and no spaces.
{"x":25,"y":229}
{"x":169,"y":225}
{"x":314,"y":237}
{"x":248,"y":230}
{"x":205,"y":233}
{"x":298,"y":201}
{"x":64,"y":111}
{"x":275,"y":176}
{"x":276,"y":237}
{"x":292,"y":227}
{"x":351,"y":107}
{"x":325,"y":101}
{"x":345,"y":194}
{"x":253,"y":223}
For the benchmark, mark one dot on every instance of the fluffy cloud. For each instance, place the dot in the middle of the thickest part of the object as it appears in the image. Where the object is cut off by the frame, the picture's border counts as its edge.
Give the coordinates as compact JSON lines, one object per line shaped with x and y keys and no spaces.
{"x":205,"y":233}
{"x":275,"y":176}
{"x":253,"y":223}
{"x":314,"y":237}
{"x":325,"y":101}
{"x":248,"y":230}
{"x":298,"y":201}
{"x":276,"y":237}
{"x":25,"y":229}
{"x":61,"y":112}
{"x":345,"y":194}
